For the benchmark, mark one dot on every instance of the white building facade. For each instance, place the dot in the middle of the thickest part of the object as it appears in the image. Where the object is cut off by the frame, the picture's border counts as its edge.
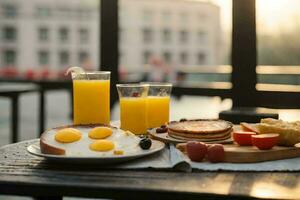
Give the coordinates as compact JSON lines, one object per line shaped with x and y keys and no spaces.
{"x":61,"y":33}
{"x":48,"y":33}
{"x":181,"y":32}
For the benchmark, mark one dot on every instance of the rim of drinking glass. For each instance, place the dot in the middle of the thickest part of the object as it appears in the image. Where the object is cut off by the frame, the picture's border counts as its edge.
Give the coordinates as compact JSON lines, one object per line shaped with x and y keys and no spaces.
{"x":95,"y":72}
{"x":157,"y":84}
{"x":130,"y":85}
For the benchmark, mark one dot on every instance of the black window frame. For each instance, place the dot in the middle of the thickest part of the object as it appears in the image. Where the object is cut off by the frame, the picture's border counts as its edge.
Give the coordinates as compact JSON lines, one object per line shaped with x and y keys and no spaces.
{"x":243,"y":59}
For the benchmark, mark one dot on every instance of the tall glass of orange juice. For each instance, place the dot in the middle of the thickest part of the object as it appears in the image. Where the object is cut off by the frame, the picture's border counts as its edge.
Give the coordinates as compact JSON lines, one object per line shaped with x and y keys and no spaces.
{"x":91,"y":97}
{"x":158,"y":104}
{"x":133,"y":114}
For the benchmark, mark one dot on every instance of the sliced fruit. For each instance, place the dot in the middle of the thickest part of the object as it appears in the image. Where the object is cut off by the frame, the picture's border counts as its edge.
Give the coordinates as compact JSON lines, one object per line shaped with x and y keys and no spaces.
{"x":249,"y":127}
{"x":196,"y":151}
{"x":74,"y":70}
{"x":216,"y":153}
{"x":265,"y":141}
{"x":243,"y":138}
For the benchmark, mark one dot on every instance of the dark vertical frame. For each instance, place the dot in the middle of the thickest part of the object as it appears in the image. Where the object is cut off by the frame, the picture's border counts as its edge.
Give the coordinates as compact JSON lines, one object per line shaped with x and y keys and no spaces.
{"x":109,"y":59}
{"x":243,"y":53}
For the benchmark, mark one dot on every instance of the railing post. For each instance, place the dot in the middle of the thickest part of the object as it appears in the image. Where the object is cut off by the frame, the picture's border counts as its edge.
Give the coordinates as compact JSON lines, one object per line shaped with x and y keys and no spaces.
{"x":244,"y":54}
{"x":109,"y":58}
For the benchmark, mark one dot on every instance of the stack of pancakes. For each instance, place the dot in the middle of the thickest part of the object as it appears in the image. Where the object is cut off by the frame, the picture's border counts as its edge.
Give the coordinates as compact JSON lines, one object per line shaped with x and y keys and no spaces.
{"x":200,"y":129}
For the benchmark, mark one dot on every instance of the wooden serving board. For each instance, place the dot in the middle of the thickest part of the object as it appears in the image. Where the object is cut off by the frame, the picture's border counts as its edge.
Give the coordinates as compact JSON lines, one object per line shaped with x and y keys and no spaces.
{"x":250,"y":154}
{"x":164,"y":137}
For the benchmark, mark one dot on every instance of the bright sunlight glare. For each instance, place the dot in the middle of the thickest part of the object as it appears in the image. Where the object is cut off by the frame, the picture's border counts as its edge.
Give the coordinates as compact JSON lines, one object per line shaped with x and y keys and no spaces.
{"x":272,"y":16}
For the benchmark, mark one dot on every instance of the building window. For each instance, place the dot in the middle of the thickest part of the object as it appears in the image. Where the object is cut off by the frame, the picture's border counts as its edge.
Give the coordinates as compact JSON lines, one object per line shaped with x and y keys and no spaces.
{"x":201,"y":58}
{"x":9,"y":33}
{"x":166,"y":16}
{"x":147,"y":35}
{"x":63,"y":34}
{"x":167,"y":57}
{"x":9,"y":57}
{"x":146,"y":56}
{"x":83,"y":56}
{"x":166,"y":35}
{"x":84,"y":13}
{"x":43,"y":34}
{"x":9,"y":11}
{"x":83,"y":35}
{"x":201,"y":36}
{"x":147,"y":15}
{"x":43,"y":12}
{"x":43,"y":57}
{"x":64,"y":57}
{"x":183,"y":17}
{"x":183,"y":36}
{"x":183,"y":58}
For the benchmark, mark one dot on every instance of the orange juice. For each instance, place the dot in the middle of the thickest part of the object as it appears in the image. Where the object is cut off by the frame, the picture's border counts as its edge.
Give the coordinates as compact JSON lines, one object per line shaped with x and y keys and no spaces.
{"x":91,"y":101}
{"x":133,"y":114}
{"x":158,"y":108}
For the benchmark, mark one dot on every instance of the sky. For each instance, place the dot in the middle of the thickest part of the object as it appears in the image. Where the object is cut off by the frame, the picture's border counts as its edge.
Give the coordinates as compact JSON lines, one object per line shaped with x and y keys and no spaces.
{"x":273,"y":16}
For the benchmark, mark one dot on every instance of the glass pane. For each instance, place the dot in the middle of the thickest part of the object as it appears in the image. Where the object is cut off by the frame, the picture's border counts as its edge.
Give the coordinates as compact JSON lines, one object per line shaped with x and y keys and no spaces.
{"x":162,"y":39}
{"x":184,"y":42}
{"x":38,"y":35}
{"x":278,"y":25}
{"x":39,"y":40}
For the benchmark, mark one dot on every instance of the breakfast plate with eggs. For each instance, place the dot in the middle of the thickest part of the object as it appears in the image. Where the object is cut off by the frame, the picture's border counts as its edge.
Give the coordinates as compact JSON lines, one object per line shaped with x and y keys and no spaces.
{"x":93,"y":144}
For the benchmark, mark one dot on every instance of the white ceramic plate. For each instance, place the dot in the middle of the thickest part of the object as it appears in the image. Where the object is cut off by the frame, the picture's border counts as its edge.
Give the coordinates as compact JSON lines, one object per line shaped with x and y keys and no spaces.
{"x":34,"y":149}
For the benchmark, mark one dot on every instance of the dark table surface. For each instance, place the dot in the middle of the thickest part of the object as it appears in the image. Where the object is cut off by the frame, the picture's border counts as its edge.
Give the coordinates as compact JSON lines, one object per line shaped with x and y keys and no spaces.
{"x":23,"y":174}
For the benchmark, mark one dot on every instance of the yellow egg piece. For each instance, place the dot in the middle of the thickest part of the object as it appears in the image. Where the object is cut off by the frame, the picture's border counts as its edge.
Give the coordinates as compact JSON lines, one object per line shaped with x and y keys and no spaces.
{"x":67,"y":135}
{"x":100,"y":132}
{"x":102,"y":145}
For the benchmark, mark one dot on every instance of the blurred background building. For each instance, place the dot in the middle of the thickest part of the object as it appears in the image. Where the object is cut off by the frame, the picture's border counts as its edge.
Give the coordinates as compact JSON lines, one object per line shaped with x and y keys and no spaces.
{"x":165,"y":34}
{"x":56,"y":34}
{"x":157,"y":40}
{"x":52,"y":34}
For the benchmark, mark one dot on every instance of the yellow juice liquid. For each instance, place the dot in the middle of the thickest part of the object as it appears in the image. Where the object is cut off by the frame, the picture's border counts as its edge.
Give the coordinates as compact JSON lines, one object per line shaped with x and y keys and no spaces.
{"x":91,"y":99}
{"x":158,"y":109}
{"x":133,"y":114}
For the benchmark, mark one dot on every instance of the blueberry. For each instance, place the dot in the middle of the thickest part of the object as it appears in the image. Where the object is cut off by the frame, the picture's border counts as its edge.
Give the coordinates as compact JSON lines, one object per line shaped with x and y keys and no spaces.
{"x":161,"y":130}
{"x":163,"y":126}
{"x":145,"y":143}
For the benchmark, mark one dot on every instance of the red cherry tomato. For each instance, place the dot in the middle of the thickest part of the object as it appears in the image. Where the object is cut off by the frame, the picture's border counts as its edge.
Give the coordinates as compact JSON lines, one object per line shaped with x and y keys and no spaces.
{"x":265,"y":141}
{"x":243,"y":138}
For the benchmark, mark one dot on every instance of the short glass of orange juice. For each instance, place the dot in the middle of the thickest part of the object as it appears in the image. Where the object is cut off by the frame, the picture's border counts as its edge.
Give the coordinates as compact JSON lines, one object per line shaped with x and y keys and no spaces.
{"x":133,"y":107}
{"x":158,"y":103}
{"x":91,"y":97}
